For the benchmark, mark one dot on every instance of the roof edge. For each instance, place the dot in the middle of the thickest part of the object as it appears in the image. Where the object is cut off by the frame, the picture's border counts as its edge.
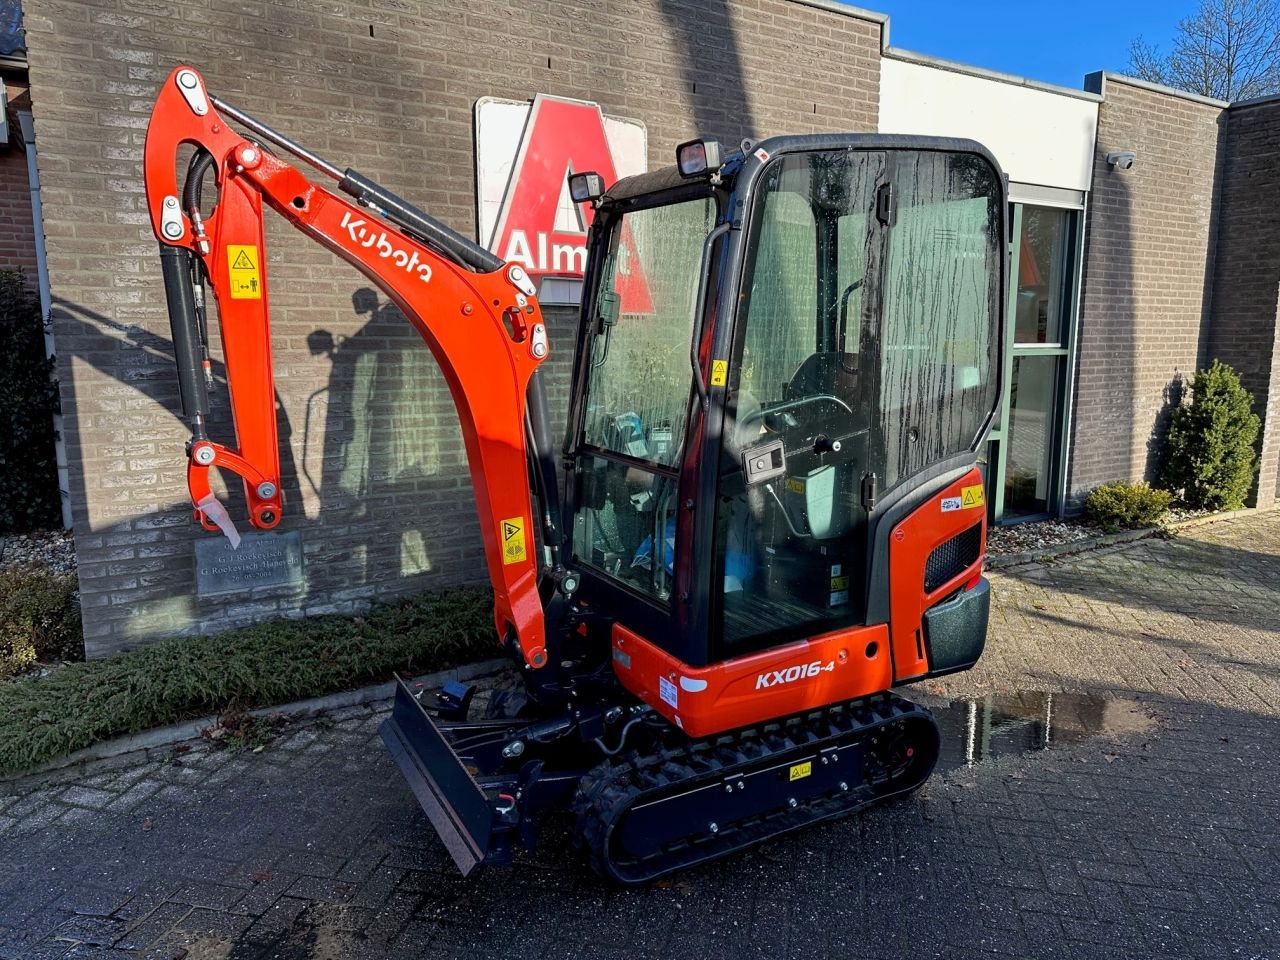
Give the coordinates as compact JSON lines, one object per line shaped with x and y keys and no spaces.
{"x":856,"y":13}
{"x":1256,"y":101}
{"x":926,"y":60}
{"x":1097,"y":83}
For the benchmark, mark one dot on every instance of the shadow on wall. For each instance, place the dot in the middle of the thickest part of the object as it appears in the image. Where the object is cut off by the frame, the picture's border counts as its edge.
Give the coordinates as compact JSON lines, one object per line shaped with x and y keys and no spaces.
{"x":1104,"y":422}
{"x":715,"y":81}
{"x":376,"y":481}
{"x":1173,"y":394}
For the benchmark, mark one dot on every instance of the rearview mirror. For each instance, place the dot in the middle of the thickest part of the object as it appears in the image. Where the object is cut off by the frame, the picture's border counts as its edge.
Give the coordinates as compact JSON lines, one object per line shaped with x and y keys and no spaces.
{"x":586,"y":186}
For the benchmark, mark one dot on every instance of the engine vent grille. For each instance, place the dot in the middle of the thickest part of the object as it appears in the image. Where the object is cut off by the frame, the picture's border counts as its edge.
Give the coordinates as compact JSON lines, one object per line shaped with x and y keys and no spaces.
{"x":952,"y":557}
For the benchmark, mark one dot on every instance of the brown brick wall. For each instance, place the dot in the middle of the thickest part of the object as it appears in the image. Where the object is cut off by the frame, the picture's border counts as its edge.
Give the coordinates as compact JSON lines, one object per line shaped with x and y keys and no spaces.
{"x":376,"y":479}
{"x":17,"y":237}
{"x":1247,"y":279}
{"x":1148,"y":264}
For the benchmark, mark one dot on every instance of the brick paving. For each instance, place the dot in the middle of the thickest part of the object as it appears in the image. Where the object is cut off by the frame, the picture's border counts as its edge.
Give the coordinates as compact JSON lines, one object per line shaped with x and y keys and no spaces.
{"x":1155,"y":840}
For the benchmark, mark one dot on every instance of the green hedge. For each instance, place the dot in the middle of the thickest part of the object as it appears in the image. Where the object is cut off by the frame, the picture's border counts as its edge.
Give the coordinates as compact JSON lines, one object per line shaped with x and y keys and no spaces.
{"x":29,"y":498}
{"x":177,"y":679}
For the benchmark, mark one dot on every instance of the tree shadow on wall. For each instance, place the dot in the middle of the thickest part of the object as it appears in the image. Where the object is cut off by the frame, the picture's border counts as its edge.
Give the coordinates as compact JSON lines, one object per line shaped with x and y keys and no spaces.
{"x":376,"y":484}
{"x":391,"y":458}
{"x":711,"y":67}
{"x":1157,"y":444}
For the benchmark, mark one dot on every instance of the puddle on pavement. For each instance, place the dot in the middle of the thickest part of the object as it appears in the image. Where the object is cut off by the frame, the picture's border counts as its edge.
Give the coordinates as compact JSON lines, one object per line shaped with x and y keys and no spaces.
{"x":1007,"y":725}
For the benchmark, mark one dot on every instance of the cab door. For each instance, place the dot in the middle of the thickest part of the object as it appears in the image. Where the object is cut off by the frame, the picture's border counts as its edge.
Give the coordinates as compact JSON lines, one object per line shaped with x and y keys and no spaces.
{"x":790,"y":547}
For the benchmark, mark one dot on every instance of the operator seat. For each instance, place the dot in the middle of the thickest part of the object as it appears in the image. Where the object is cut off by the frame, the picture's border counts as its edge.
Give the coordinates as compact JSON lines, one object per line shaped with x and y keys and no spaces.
{"x":832,"y":373}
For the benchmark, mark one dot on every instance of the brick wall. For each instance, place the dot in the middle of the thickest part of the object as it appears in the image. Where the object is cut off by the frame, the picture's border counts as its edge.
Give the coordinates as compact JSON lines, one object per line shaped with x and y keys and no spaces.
{"x":1247,"y":279}
{"x":1148,"y":265}
{"x":375,"y":475}
{"x":17,"y":238}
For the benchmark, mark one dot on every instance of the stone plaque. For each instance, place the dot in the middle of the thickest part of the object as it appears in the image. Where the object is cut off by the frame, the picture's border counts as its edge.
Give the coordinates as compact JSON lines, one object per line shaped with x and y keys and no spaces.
{"x":263,"y":560}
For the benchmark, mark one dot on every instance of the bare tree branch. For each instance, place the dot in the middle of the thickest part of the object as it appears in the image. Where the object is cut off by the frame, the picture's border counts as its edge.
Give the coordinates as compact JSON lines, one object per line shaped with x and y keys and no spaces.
{"x":1227,"y":49}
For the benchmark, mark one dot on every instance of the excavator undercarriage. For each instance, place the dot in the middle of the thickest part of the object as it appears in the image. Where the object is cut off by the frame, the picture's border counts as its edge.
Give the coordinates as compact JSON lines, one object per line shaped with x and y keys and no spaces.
{"x":767,"y":512}
{"x":655,"y":802}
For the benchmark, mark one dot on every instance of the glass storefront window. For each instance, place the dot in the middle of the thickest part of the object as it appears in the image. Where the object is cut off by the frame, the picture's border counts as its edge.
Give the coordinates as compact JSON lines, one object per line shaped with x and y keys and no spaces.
{"x":1043,"y":275}
{"x":1033,"y":421}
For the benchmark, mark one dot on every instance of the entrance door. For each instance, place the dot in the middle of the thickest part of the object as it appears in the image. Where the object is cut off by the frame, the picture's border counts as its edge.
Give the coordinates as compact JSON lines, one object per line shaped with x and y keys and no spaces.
{"x":1029,"y":448}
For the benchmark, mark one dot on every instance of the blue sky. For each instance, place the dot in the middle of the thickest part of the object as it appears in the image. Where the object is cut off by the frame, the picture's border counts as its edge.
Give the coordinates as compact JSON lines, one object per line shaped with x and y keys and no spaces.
{"x":1055,"y":42}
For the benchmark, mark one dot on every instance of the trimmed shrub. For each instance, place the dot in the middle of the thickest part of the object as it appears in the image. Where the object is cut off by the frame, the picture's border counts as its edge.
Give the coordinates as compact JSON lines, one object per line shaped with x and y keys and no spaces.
{"x":1211,"y":460}
{"x":1126,"y":506}
{"x":39,"y":618}
{"x":28,"y":401}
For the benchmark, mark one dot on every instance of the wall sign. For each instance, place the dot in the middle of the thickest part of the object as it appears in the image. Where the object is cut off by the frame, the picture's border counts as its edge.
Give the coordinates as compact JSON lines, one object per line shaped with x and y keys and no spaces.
{"x":261,"y":560}
{"x":524,"y":155}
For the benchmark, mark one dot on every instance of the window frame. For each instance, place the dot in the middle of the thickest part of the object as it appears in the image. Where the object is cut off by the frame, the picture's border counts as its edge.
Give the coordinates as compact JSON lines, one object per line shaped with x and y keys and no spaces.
{"x":1065,"y":349}
{"x":606,"y":229}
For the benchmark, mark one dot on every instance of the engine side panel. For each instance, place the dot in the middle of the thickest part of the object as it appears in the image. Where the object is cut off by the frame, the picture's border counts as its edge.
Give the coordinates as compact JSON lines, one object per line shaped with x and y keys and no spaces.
{"x":934,"y":526}
{"x":837,"y":666}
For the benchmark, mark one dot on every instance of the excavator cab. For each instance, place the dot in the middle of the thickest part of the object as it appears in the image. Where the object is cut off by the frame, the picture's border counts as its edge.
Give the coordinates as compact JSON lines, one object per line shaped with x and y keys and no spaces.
{"x":778,"y":361}
{"x":767,"y":512}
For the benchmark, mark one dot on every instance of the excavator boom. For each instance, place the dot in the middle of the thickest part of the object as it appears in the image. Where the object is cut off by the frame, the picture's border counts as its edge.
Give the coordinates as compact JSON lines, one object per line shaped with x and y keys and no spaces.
{"x":479,"y":317}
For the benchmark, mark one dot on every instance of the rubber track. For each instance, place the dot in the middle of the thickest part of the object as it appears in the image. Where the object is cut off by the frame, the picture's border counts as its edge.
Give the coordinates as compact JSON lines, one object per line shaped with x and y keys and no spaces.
{"x":610,"y":789}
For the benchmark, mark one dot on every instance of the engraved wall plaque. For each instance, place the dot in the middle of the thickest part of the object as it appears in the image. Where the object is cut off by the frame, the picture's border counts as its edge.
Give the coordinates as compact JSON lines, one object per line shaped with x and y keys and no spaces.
{"x":263,"y":560}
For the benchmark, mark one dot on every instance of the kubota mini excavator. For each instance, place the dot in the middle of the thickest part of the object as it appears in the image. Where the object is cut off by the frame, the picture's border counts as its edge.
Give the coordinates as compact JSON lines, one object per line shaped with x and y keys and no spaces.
{"x":767,"y":513}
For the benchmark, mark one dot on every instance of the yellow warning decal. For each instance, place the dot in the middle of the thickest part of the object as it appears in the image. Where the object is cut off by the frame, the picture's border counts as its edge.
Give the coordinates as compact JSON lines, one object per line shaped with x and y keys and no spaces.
{"x":839,"y":583}
{"x":719,"y":372}
{"x":512,"y":540}
{"x":801,"y":770}
{"x":972,"y":497}
{"x":246,"y":278}
{"x":795,"y":486}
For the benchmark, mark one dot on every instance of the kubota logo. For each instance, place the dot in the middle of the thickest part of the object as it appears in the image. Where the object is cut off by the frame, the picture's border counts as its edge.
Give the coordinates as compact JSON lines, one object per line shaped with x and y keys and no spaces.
{"x":362,"y":237}
{"x":801,"y":671}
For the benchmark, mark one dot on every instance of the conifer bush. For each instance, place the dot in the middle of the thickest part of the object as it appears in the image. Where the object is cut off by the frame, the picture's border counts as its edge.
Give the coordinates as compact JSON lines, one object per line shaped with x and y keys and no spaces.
{"x":1211,"y":459}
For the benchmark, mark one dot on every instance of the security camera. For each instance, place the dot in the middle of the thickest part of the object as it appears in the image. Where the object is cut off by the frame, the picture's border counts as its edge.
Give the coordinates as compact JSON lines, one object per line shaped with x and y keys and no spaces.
{"x":1121,"y":159}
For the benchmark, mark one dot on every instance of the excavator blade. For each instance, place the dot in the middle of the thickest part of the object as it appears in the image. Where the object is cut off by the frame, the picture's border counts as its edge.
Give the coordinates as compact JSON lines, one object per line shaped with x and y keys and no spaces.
{"x":454,"y":803}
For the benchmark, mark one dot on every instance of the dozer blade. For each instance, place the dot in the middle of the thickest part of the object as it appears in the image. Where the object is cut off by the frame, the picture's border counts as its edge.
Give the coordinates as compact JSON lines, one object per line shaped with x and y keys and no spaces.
{"x":459,"y":810}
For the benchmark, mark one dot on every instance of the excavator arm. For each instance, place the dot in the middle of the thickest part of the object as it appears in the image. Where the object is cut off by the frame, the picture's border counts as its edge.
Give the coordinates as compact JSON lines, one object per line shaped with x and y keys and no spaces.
{"x":479,"y":317}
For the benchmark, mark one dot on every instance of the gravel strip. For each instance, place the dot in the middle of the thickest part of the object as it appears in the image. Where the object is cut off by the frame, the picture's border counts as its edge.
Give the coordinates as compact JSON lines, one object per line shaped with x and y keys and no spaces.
{"x":1029,"y":537}
{"x":56,"y":548}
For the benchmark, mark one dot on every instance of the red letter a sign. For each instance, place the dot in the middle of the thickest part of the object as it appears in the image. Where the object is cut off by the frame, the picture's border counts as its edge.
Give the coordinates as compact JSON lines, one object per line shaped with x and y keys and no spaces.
{"x":538,"y":225}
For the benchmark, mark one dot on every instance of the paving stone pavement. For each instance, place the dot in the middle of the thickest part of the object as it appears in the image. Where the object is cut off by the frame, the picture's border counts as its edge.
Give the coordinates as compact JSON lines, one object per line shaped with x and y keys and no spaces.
{"x":1156,"y":839}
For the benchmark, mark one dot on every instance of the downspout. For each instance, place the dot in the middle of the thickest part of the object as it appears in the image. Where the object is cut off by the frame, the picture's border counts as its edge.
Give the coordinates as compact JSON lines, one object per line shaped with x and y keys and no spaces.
{"x":27,"y":125}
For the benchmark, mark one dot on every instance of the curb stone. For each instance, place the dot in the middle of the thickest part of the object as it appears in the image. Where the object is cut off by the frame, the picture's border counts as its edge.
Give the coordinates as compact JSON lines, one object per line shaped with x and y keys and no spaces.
{"x":1007,"y":560}
{"x":151,"y":743}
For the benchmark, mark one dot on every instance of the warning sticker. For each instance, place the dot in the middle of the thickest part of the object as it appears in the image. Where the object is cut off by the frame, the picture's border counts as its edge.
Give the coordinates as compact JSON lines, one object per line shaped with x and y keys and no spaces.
{"x":667,"y":691}
{"x":246,"y":278}
{"x":512,"y":540}
{"x":972,"y":496}
{"x":839,"y":583}
{"x":795,"y":485}
{"x":719,"y":372}
{"x":801,"y":770}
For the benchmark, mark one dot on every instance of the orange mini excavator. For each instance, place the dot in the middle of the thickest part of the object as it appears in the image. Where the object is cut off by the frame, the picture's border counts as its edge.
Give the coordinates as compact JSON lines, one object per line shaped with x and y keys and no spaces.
{"x":767,"y":513}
